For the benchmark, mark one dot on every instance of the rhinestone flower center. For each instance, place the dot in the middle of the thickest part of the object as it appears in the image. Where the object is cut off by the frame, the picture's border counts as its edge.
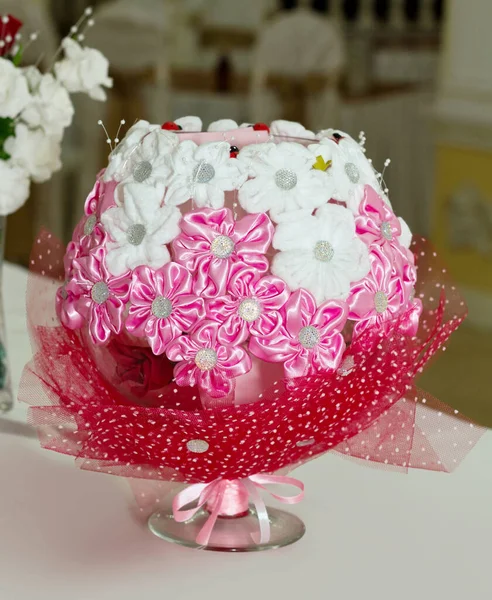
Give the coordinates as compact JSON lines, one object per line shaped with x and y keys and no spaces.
{"x":162,"y":307}
{"x":90,"y":224}
{"x":100,"y":292}
{"x":249,"y":310}
{"x":203,"y":173}
{"x":142,"y":171}
{"x":309,"y":337}
{"x":197,"y":446}
{"x":222,"y":246}
{"x":136,"y":234}
{"x":206,"y":359}
{"x":352,"y":172}
{"x":285,"y":179}
{"x":323,"y":251}
{"x":386,"y":231}
{"x":380,"y":302}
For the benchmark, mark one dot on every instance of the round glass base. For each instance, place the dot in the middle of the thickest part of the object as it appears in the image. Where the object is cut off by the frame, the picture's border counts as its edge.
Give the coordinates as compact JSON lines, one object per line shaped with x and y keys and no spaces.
{"x":230,"y":534}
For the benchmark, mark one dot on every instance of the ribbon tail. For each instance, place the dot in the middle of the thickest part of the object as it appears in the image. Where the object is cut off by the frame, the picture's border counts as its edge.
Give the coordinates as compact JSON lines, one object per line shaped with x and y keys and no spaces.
{"x":261,"y":513}
{"x":203,"y":537}
{"x":262,"y":480}
{"x":187,"y":496}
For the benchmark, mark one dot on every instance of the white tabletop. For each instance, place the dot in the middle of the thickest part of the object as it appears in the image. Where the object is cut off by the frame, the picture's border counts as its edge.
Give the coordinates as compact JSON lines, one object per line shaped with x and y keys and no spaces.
{"x":371,"y":534}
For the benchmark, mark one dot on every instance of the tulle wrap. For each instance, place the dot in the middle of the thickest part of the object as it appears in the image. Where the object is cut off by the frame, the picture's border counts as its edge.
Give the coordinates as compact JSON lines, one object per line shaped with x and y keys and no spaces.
{"x":117,"y":409}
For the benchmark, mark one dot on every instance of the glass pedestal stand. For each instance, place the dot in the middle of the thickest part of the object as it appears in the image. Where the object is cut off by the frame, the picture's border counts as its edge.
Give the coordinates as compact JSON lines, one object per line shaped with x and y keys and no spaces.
{"x":6,"y":398}
{"x":230,"y":534}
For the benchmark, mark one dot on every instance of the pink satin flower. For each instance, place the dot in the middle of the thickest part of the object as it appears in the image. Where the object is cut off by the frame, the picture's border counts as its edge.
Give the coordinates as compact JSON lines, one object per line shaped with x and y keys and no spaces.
{"x":378,"y":297}
{"x":251,"y":306}
{"x":377,"y":223}
{"x":204,"y":361}
{"x":211,"y":241}
{"x":100,"y":299}
{"x":90,"y":205}
{"x":162,"y":305}
{"x":310,"y":340}
{"x":66,"y":309}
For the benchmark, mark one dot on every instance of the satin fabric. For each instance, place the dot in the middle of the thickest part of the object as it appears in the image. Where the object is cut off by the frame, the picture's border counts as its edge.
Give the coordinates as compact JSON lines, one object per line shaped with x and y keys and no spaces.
{"x":373,"y":213}
{"x":382,"y":278}
{"x":105,"y":318}
{"x":251,"y":235}
{"x":300,"y":311}
{"x":270,"y":292}
{"x":173,"y":282}
{"x":232,"y":361}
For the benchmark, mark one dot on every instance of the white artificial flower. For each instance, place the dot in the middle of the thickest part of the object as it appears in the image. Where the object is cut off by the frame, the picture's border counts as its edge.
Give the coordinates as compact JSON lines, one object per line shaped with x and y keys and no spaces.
{"x":405,"y":238}
{"x":203,"y":173}
{"x":140,"y":230}
{"x":14,"y":187}
{"x":321,"y":253}
{"x":50,"y":106}
{"x":223,"y":125}
{"x":283,"y":180}
{"x":126,"y":147}
{"x":35,"y":152}
{"x":14,"y":93}
{"x":191,"y":124}
{"x":290,"y":129}
{"x":350,"y":171}
{"x":83,"y":70}
{"x":150,"y":161}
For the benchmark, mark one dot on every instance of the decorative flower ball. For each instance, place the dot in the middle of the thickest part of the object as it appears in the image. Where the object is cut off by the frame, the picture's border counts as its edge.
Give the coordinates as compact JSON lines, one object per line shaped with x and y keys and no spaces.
{"x":238,"y":255}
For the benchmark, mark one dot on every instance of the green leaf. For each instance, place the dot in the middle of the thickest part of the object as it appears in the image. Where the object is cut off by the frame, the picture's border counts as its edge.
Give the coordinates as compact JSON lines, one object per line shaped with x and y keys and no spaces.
{"x":17,"y":59}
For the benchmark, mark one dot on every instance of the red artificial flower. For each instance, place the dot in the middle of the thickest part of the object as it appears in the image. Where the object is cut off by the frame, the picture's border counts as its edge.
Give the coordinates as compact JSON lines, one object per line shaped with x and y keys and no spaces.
{"x":261,"y":127}
{"x":9,"y":27}
{"x":171,"y":126}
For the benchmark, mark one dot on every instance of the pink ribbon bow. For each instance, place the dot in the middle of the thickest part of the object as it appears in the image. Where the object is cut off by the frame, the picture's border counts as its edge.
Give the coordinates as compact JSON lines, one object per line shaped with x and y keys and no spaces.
{"x":215,"y":495}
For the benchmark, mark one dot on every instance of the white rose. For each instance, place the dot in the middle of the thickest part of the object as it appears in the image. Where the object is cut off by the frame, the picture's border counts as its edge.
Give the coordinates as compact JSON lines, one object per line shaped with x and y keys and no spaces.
{"x":83,"y":70}
{"x":34,"y":151}
{"x":50,"y":106}
{"x":14,"y":94}
{"x":14,"y":189}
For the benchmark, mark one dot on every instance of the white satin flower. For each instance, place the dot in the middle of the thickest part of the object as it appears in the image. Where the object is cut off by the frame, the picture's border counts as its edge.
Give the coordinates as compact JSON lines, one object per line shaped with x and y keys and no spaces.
{"x":405,"y":238}
{"x":290,"y":129}
{"x":223,"y":125}
{"x":150,"y":160}
{"x":350,"y":171}
{"x":140,"y":230}
{"x":83,"y":70}
{"x":191,"y":124}
{"x":321,"y":253}
{"x":203,"y":173}
{"x":14,"y":189}
{"x":283,"y":180}
{"x":14,"y":93}
{"x":35,"y":152}
{"x":50,"y":106}
{"x":126,"y":147}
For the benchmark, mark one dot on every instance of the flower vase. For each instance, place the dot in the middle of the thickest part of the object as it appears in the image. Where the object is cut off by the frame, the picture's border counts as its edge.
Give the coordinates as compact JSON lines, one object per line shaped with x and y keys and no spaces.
{"x":6,"y":398}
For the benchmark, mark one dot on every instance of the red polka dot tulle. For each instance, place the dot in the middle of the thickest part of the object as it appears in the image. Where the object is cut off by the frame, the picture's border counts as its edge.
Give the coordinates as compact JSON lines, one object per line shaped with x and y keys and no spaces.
{"x":117,"y":409}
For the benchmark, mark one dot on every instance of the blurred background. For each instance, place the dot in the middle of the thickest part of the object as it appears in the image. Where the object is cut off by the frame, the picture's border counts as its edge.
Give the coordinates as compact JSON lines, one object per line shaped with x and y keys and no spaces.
{"x":414,"y":75}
